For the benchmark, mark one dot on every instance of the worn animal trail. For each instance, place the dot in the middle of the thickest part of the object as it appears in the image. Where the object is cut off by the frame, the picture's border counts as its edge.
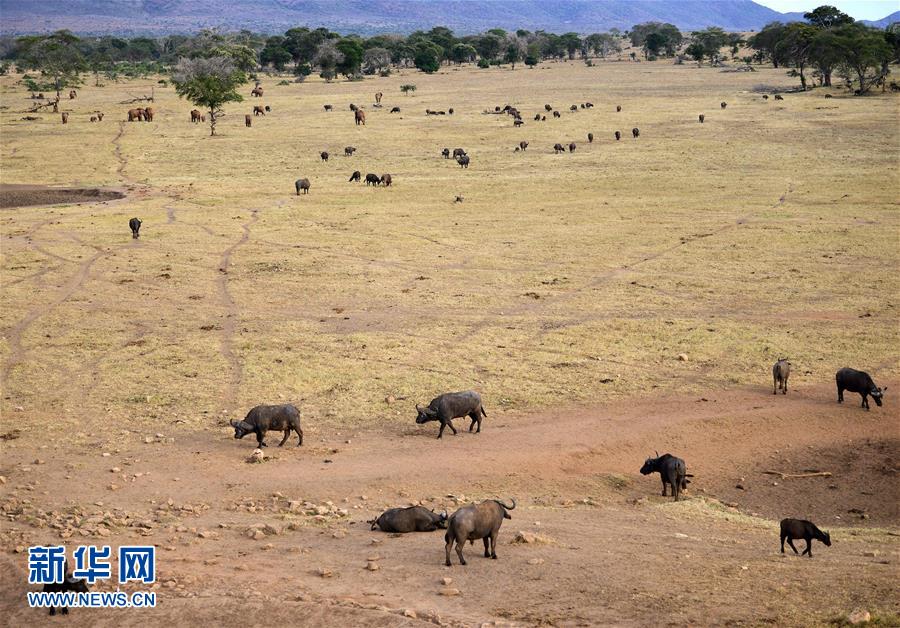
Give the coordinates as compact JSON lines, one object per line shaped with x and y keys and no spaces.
{"x":232,"y":318}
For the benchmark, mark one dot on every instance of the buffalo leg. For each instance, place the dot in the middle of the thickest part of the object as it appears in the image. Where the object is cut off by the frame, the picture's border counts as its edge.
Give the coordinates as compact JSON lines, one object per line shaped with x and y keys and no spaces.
{"x":784,"y":386}
{"x":808,"y":549}
{"x":791,"y":543}
{"x":664,"y":487}
{"x":447,"y":549}
{"x":494,"y":545}
{"x":450,"y":425}
{"x":260,"y":436}
{"x":65,"y":610}
{"x":865,"y":401}
{"x":775,"y":386}
{"x":299,"y":435}
{"x":840,"y":395}
{"x":474,"y":418}
{"x":676,"y":489}
{"x":782,"y":541}
{"x":287,"y":433}
{"x":441,"y":431}
{"x":459,"y":550}
{"x":487,"y":546}
{"x":52,"y":610}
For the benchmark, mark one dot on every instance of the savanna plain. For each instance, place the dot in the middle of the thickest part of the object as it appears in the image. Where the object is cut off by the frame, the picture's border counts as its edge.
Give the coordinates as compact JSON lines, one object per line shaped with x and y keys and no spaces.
{"x":625,"y":298}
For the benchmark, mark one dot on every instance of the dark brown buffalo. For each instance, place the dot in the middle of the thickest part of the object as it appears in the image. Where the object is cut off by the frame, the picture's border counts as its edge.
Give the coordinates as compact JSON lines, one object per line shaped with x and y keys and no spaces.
{"x":256,"y":92}
{"x":618,"y":108}
{"x":556,"y":114}
{"x":65,"y":117}
{"x":372,"y":179}
{"x":136,"y":114}
{"x":572,"y":147}
{"x":523,"y":145}
{"x":378,"y":96}
{"x":635,"y":132}
{"x":618,"y":136}
{"x":444,"y":408}
{"x":324,"y":155}
{"x":801,"y":529}
{"x":446,"y":153}
{"x":195,"y":115}
{"x":395,"y":109}
{"x":328,"y":107}
{"x":258,"y":111}
{"x":386,"y":180}
{"x":349,"y":150}
{"x":702,"y":118}
{"x":302,"y":184}
{"x":148,"y":114}
{"x":360,"y":117}
{"x":261,"y":419}
{"x":355,"y":176}
{"x":473,"y":522}
{"x":72,"y":94}
{"x":723,"y":104}
{"x":548,"y":107}
{"x":458,"y":152}
{"x":559,"y":148}
{"x":590,"y":138}
{"x":412,"y":519}
{"x":248,"y":120}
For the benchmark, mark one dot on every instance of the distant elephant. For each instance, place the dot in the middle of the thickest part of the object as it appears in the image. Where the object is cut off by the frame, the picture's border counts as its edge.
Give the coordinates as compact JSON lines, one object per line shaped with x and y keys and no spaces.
{"x":360,"y":117}
{"x":302,"y":184}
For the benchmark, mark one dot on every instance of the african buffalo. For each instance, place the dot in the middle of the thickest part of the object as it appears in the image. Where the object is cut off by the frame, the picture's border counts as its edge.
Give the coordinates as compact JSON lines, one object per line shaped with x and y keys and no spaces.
{"x":858,"y":382}
{"x":618,"y":136}
{"x":780,"y":373}
{"x":559,"y":148}
{"x":372,"y":179}
{"x":135,"y":225}
{"x":412,"y":519}
{"x":556,"y":114}
{"x":72,"y":94}
{"x":702,"y":118}
{"x":248,"y":120}
{"x":537,"y":117}
{"x":571,"y":147}
{"x":65,"y":117}
{"x":635,"y":132}
{"x":324,"y":155}
{"x":476,"y":521}
{"x":349,"y":150}
{"x":135,"y":114}
{"x":548,"y":107}
{"x":801,"y":529}
{"x":386,"y":180}
{"x":328,"y":107}
{"x":195,"y":115}
{"x":618,"y":108}
{"x":261,"y":419}
{"x":672,"y":470}
{"x":518,"y":122}
{"x":450,"y":111}
{"x":723,"y":104}
{"x":70,"y":584}
{"x":779,"y":97}
{"x":458,"y":152}
{"x":302,"y":184}
{"x":449,"y":406}
{"x":523,"y":145}
{"x":355,"y":176}
{"x":256,"y":92}
{"x":446,"y":153}
{"x":590,"y":138}
{"x":395,"y":109}
{"x":360,"y":117}
{"x":258,"y":111}
{"x":573,"y":108}
{"x":148,"y":114}
{"x":463,"y":161}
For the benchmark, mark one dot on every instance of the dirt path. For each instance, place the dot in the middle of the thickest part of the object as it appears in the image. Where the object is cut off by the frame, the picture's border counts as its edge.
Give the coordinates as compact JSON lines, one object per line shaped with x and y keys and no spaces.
{"x":574,"y":473}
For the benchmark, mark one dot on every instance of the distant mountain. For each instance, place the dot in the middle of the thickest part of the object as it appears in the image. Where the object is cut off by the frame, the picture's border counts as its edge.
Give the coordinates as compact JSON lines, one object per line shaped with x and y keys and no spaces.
{"x":367,"y":17}
{"x":885,"y":21}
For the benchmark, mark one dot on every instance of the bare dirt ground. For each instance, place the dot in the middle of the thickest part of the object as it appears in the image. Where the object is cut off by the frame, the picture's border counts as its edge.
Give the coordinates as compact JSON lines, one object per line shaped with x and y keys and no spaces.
{"x":27,"y":195}
{"x":563,"y":288}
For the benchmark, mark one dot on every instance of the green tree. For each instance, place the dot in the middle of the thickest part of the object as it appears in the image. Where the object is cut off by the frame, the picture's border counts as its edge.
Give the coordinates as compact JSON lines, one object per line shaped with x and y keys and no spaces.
{"x":209,"y":82}
{"x":274,"y":53}
{"x":352,"y":51}
{"x":375,"y":59}
{"x":463,"y":53}
{"x":428,"y":56}
{"x":766,"y":42}
{"x":653,"y":44}
{"x":515,"y":50}
{"x":533,"y":54}
{"x":407,"y":88}
{"x":572,"y":43}
{"x":825,"y":54}
{"x":827,"y":16}
{"x":864,"y":53}
{"x":488,"y":46}
{"x":327,"y":58}
{"x":56,"y":56}
{"x":711,"y":39}
{"x":669,"y":32}
{"x":796,"y":47}
{"x":695,"y":51}
{"x":892,"y":37}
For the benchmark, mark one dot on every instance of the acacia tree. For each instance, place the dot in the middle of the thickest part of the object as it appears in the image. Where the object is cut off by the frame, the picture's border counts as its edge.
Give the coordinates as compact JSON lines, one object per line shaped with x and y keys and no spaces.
{"x":209,"y":83}
{"x":797,"y":46}
{"x":864,"y":53}
{"x":56,"y":56}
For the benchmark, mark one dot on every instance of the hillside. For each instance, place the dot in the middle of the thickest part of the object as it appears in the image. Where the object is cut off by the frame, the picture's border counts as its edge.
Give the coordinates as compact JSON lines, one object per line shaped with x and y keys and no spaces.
{"x":155,"y":17}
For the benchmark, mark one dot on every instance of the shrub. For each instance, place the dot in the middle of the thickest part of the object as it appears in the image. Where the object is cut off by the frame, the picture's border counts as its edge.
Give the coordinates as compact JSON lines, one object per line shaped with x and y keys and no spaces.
{"x":484,"y":63}
{"x":384,"y":72}
{"x":406,"y":89}
{"x":283,"y":82}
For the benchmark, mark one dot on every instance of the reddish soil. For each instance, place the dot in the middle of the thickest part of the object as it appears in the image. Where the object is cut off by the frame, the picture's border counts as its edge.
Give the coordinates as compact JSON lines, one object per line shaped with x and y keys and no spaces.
{"x":27,"y":195}
{"x":616,"y":552}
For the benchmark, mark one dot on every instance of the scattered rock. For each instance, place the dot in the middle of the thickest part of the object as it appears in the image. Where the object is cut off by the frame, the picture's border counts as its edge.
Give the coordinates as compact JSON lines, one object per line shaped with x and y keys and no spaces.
{"x":372,"y":566}
{"x":390,"y":399}
{"x":535,"y":561}
{"x":449,"y":592}
{"x":446,"y":581}
{"x":115,"y":470}
{"x":408,"y":612}
{"x":523,"y":536}
{"x":871,"y":553}
{"x":859,"y":617}
{"x":257,"y":456}
{"x":682,"y":357}
{"x":740,"y":487}
{"x":325,"y":573}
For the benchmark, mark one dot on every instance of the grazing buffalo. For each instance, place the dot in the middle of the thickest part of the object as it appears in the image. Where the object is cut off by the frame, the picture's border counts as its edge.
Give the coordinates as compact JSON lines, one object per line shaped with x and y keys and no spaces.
{"x":518,"y":122}
{"x":195,"y":115}
{"x":261,"y":419}
{"x":618,"y":108}
{"x":779,"y":97}
{"x":135,"y":114}
{"x":328,"y":107}
{"x":302,"y":184}
{"x":463,"y":161}
{"x":135,"y":225}
{"x":70,"y":584}
{"x":445,"y":153}
{"x":349,"y":150}
{"x":355,"y":176}
{"x":449,"y":406}
{"x":72,"y":94}
{"x":324,"y":155}
{"x":574,"y":108}
{"x":100,"y":116}
{"x":258,"y":111}
{"x":412,"y":519}
{"x":801,"y":529}
{"x":780,"y":373}
{"x":93,"y":118}
{"x":559,"y":148}
{"x":618,"y":136}
{"x":702,"y":118}
{"x":523,"y":145}
{"x":723,"y":104}
{"x":360,"y":117}
{"x":65,"y":117}
{"x":256,"y":92}
{"x":473,"y":522}
{"x":543,"y":118}
{"x":353,"y":107}
{"x":458,"y":152}
{"x":372,"y":179}
{"x":248,"y":120}
{"x":572,"y":147}
{"x":556,"y":114}
{"x":395,"y":109}
{"x":378,"y":96}
{"x":268,"y":109}
{"x":450,"y":111}
{"x":537,"y":117}
{"x":635,"y":132}
{"x":858,"y":382}
{"x":148,"y":114}
{"x":672,"y":470}
{"x":590,"y":138}
{"x":765,"y":97}
{"x":386,"y":180}
{"x":548,"y":108}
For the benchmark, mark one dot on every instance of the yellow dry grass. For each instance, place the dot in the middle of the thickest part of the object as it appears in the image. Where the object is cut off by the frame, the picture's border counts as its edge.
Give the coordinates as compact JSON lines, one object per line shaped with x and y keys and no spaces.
{"x":770,"y":230}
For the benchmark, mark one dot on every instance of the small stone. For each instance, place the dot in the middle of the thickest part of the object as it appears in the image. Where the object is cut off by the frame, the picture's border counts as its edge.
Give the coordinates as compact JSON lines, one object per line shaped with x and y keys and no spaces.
{"x":338,"y":534}
{"x":271,"y":530}
{"x":160,"y":436}
{"x":871,"y":553}
{"x":679,"y":535}
{"x":446,"y":581}
{"x":535,"y":561}
{"x":115,"y":470}
{"x":113,"y":487}
{"x":744,"y":567}
{"x":449,"y":592}
{"x":408,"y":612}
{"x":740,"y":487}
{"x":148,"y":440}
{"x":682,"y":357}
{"x":390,"y":399}
{"x":105,"y":454}
{"x":372,"y":566}
{"x":859,"y":617}
{"x":38,"y":461}
{"x":325,"y":573}
{"x":205,"y":534}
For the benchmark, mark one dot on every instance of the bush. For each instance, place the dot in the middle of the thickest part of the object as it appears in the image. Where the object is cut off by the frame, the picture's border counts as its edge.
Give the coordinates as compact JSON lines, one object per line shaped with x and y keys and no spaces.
{"x":303,"y":69}
{"x":300,"y":78}
{"x":384,"y":72}
{"x":283,"y":82}
{"x":4,"y":69}
{"x":163,"y":82}
{"x":496,"y":62}
{"x":355,"y":77}
{"x":409,"y":87}
{"x":589,"y":63}
{"x":484,"y":63}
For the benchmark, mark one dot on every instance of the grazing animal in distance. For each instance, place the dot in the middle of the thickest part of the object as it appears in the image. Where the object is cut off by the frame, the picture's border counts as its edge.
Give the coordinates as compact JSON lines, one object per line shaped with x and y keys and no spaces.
{"x":372,"y":179}
{"x":72,"y":94}
{"x":702,"y":118}
{"x":618,"y":108}
{"x":801,"y":529}
{"x":779,"y":97}
{"x":636,"y":132}
{"x":618,"y":136}
{"x":780,"y":373}
{"x":523,"y":145}
{"x":302,"y":184}
{"x":458,"y":199}
{"x":136,"y":114}
{"x":386,"y":180}
{"x":65,"y":117}
{"x":558,"y":148}
{"x":100,"y":116}
{"x":556,"y":114}
{"x":349,"y":150}
{"x":543,"y":118}
{"x":259,"y":420}
{"x":395,"y":109}
{"x":672,"y":470}
{"x":135,"y":225}
{"x":412,"y":519}
{"x":858,"y":382}
{"x":446,"y":153}
{"x":378,"y":96}
{"x":548,"y":107}
{"x":537,"y":117}
{"x":268,"y":109}
{"x":463,"y":161}
{"x":572,"y":147}
{"x":588,"y":105}
{"x":195,"y":115}
{"x":324,"y":155}
{"x":360,"y":116}
{"x":449,"y":406}
{"x":256,"y":92}
{"x":590,"y":138}
{"x":458,"y":152}
{"x":574,"y":108}
{"x":518,"y":122}
{"x":258,"y":111}
{"x":353,"y":107}
{"x":328,"y":107}
{"x":765,"y":97}
{"x":476,"y":521}
{"x":582,"y":105}
{"x":723,"y":104}
{"x":248,"y":120}
{"x":355,"y":176}
{"x":148,"y":114}
{"x":93,"y":118}
{"x":69,"y":584}
{"x":450,"y":111}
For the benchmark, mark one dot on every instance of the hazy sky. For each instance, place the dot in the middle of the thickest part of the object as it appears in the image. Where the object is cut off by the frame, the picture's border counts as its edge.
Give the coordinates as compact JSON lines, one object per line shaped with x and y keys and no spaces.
{"x":859,"y":9}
